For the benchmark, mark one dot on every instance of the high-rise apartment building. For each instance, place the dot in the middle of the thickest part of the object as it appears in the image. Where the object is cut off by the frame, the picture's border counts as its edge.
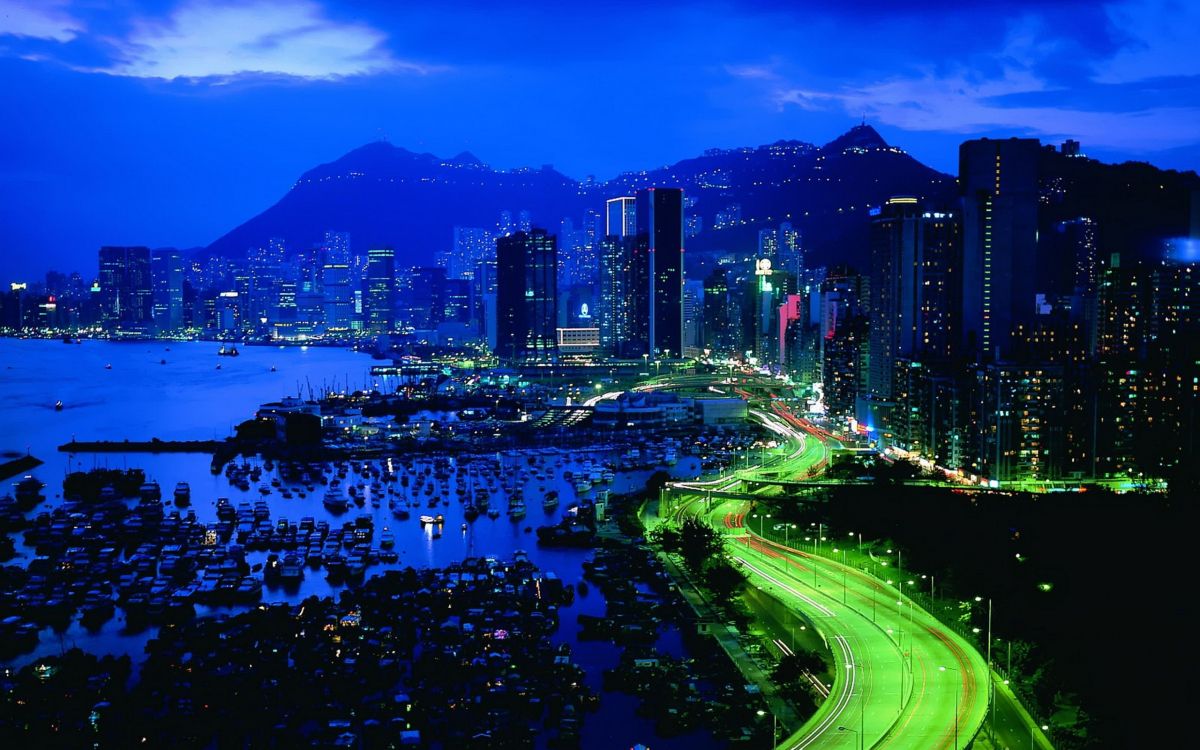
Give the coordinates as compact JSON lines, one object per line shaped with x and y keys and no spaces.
{"x":914,"y":255}
{"x":998,"y":180}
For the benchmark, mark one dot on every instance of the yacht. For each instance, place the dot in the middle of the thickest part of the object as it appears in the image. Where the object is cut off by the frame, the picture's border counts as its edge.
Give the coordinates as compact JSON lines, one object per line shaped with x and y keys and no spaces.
{"x":335,"y":501}
{"x":183,"y":493}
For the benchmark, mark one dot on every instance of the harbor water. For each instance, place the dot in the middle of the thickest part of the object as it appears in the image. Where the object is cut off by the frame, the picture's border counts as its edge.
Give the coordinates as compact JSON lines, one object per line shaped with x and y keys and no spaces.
{"x":176,"y":391}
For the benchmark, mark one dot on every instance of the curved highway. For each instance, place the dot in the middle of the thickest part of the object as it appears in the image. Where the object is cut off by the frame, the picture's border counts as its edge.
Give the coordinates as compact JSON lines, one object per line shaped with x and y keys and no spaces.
{"x":902,"y":680}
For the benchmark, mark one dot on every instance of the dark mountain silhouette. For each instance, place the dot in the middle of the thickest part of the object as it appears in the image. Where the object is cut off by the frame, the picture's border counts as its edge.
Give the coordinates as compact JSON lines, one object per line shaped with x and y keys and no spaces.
{"x":386,"y":195}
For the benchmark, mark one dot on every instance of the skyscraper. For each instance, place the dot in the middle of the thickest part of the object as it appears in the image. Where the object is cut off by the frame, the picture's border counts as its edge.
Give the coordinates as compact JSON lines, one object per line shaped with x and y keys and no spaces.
{"x":620,"y":217}
{"x":718,"y":325}
{"x":125,"y":287}
{"x":526,"y":296}
{"x":616,"y":258}
{"x":998,"y":181}
{"x":166,"y":274}
{"x":658,"y":261}
{"x":913,"y":257}
{"x":381,"y":290}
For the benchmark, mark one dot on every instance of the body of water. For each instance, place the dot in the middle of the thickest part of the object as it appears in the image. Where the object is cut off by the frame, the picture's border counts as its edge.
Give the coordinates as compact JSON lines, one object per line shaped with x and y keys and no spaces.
{"x":175,"y":391}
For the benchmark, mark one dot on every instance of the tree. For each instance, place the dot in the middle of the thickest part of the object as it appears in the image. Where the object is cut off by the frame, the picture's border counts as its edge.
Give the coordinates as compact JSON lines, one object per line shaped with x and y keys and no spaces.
{"x":698,"y":542}
{"x":722,"y":578}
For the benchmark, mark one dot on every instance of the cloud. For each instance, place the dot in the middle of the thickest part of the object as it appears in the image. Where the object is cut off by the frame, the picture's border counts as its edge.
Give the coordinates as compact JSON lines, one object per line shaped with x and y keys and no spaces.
{"x":1041,"y":83}
{"x":208,"y":39}
{"x":41,"y":20}
{"x":958,"y":104}
{"x":1160,"y":40}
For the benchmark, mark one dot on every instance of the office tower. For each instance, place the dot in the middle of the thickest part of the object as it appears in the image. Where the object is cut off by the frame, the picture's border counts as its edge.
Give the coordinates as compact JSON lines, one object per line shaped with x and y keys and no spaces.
{"x":998,"y":181}
{"x":483,"y":301}
{"x":524,"y":221}
{"x":658,"y":260}
{"x":456,"y":301}
{"x":913,"y":256}
{"x":264,"y":275}
{"x":381,"y":290}
{"x":615,"y":304}
{"x":693,"y":314}
{"x":620,"y":217}
{"x":126,"y":291}
{"x":166,"y":271}
{"x":526,"y":296}
{"x":719,"y":332}
{"x":337,"y":297}
{"x":791,"y":252}
{"x":420,"y":302}
{"x":845,"y":299}
{"x":286,"y":314}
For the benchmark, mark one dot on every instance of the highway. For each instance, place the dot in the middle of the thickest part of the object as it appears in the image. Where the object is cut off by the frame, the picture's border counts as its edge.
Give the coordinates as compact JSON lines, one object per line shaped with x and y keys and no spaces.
{"x":902,"y":679}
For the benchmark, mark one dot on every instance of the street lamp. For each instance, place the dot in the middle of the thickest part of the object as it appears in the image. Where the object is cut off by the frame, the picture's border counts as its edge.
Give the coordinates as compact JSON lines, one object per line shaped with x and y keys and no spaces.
{"x":858,"y":737}
{"x":1033,"y":735}
{"x":774,"y":726}
{"x":956,"y":692}
{"x":785,"y":533}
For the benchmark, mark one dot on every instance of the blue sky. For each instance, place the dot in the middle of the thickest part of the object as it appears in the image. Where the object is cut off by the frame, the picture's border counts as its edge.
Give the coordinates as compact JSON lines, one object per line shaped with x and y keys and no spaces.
{"x":168,"y":123}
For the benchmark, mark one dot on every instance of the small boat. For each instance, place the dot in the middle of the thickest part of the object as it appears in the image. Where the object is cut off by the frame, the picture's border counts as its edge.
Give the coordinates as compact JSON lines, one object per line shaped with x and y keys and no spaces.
{"x":162,"y":361}
{"x":108,"y":366}
{"x":231,"y":352}
{"x":183,"y":493}
{"x":272,"y":368}
{"x":425,"y":520}
{"x":58,"y":406}
{"x":464,"y":527}
{"x":218,"y":367}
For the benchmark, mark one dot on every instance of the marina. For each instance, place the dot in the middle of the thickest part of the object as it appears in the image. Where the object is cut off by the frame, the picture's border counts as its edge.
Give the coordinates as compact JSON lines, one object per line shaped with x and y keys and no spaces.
{"x":275,"y":532}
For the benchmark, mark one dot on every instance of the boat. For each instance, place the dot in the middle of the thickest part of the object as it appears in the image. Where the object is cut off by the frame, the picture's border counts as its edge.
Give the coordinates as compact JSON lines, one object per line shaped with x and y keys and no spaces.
{"x":335,"y":501}
{"x":58,"y":406}
{"x":183,"y":493}
{"x":582,"y":486}
{"x":231,"y":352}
{"x":550,"y":502}
{"x":108,"y":366}
{"x":150,"y":491}
{"x":516,"y":511}
{"x":425,"y":520}
{"x":162,"y":361}
{"x":272,"y":368}
{"x":493,"y":513}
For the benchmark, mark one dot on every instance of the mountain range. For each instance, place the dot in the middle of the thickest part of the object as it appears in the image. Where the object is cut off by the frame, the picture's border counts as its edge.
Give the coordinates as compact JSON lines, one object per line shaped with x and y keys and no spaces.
{"x":385,"y":195}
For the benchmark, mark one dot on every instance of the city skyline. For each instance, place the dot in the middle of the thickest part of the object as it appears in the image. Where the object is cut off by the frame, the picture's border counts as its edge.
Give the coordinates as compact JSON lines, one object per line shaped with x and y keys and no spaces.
{"x":215,"y":141}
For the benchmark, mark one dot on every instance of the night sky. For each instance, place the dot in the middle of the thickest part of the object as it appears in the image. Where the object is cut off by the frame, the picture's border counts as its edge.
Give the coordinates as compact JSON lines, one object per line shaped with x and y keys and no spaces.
{"x":168,"y":123}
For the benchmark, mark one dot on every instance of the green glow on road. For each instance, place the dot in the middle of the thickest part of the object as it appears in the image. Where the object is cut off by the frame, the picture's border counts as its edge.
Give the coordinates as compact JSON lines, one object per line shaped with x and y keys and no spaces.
{"x":902,"y":679}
